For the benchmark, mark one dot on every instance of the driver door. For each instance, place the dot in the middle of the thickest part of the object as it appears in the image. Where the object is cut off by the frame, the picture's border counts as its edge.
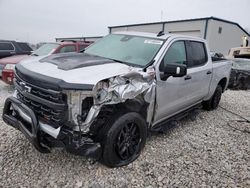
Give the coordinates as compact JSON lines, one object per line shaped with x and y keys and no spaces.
{"x":172,"y":95}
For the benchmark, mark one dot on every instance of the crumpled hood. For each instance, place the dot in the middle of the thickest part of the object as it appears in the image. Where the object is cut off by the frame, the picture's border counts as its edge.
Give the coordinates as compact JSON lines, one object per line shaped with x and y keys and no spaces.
{"x":76,"y":68}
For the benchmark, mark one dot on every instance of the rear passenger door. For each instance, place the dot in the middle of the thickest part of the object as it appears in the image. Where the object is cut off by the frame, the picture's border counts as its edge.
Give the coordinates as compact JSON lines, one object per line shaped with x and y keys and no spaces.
{"x":199,"y":71}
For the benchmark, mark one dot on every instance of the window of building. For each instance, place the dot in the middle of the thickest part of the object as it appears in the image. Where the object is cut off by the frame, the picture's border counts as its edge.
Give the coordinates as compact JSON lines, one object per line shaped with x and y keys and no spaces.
{"x":220,"y":30}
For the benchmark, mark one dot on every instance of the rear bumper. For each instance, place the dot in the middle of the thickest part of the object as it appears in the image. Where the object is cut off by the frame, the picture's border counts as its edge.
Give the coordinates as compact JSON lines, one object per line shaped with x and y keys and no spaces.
{"x":8,"y":76}
{"x":43,"y":136}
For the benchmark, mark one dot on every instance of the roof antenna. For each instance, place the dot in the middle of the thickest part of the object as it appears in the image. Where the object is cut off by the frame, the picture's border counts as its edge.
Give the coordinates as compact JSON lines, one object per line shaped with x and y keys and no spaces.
{"x":160,"y":33}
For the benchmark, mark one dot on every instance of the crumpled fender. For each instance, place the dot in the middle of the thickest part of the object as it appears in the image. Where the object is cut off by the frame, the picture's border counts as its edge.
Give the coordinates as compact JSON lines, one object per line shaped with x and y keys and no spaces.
{"x":121,"y":88}
{"x":239,"y":79}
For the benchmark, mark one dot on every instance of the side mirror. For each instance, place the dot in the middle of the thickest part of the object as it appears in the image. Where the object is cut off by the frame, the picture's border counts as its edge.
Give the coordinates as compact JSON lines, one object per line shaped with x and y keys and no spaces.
{"x":173,"y":69}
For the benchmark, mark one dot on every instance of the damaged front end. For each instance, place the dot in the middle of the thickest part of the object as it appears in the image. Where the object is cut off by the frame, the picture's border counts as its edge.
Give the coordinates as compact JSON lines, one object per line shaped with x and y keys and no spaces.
{"x":65,"y":118}
{"x":43,"y":130}
{"x":134,"y":91}
{"x":239,"y":79}
{"x":240,"y":74}
{"x":135,"y":86}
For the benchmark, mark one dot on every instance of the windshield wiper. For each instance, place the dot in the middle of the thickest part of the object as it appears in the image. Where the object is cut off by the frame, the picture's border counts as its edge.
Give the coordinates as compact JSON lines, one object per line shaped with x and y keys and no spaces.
{"x":118,"y":61}
{"x":34,"y":54}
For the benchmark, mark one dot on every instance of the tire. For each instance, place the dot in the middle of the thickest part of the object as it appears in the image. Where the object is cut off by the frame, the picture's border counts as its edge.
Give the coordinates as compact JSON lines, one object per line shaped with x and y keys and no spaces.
{"x":124,"y":140}
{"x":242,"y":84}
{"x":214,"y":101}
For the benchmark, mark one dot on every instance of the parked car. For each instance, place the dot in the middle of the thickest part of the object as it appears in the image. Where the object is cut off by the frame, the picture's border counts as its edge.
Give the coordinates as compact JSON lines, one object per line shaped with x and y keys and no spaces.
{"x":9,"y":48}
{"x":7,"y":64}
{"x":240,"y":74}
{"x":103,"y":103}
{"x":61,"y":47}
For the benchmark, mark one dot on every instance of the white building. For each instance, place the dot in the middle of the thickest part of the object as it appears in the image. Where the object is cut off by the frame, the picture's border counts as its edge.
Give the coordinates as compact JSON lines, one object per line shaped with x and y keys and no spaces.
{"x":220,"y":34}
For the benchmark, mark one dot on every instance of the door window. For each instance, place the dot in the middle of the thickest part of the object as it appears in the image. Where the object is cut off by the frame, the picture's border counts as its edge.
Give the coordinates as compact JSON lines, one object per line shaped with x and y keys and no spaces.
{"x":197,"y":54}
{"x":68,"y":48}
{"x":176,"y":53}
{"x":6,"y":46}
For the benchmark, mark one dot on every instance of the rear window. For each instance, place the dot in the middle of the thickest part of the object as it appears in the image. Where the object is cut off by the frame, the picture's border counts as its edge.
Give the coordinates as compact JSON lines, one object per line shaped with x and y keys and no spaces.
{"x":199,"y":55}
{"x":6,"y":46}
{"x":68,"y":48}
{"x":24,"y":46}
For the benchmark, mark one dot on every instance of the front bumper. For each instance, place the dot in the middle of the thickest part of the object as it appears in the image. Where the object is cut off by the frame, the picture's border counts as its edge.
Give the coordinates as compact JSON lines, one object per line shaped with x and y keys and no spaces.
{"x":44,"y":136}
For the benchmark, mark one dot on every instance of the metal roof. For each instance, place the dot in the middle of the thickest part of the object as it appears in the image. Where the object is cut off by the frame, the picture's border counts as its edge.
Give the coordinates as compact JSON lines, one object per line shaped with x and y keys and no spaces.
{"x":186,"y":20}
{"x":154,"y":35}
{"x":78,"y":38}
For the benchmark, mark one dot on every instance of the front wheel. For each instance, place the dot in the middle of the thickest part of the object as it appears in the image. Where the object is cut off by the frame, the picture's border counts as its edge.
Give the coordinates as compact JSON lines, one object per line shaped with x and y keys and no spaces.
{"x":124,"y":140}
{"x":242,"y":84}
{"x":214,"y":101}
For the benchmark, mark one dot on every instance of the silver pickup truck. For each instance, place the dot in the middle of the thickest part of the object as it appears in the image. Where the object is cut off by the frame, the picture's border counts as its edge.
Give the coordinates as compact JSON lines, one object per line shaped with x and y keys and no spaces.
{"x":103,"y":103}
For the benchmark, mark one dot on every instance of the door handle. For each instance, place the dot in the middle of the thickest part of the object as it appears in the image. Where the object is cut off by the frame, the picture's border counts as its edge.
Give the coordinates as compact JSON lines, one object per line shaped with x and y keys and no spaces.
{"x":209,"y":72}
{"x":188,"y":77}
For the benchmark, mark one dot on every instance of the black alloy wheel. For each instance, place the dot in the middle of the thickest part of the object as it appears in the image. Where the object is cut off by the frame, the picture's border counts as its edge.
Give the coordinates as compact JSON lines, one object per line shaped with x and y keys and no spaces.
{"x":214,"y":101}
{"x":124,"y":139}
{"x":128,"y":141}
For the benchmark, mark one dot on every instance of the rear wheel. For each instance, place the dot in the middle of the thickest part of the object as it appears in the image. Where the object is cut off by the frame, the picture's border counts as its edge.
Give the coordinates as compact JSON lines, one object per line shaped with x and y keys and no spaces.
{"x":214,"y":101}
{"x":124,"y":140}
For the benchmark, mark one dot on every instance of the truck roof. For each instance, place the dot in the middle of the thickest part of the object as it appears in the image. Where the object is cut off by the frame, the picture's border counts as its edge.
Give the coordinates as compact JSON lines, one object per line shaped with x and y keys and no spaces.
{"x":154,"y":35}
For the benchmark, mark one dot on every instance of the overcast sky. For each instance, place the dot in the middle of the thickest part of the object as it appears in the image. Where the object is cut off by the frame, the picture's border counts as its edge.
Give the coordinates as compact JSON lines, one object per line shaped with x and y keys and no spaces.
{"x":43,"y":20}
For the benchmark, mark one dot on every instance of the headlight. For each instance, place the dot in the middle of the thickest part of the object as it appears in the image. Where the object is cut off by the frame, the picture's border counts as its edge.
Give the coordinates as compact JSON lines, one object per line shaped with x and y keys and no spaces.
{"x":101,"y":92}
{"x":10,"y":66}
{"x":101,"y":95}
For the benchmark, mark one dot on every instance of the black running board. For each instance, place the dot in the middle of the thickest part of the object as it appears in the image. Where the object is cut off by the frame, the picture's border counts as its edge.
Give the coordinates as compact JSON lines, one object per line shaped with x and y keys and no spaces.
{"x":167,"y":124}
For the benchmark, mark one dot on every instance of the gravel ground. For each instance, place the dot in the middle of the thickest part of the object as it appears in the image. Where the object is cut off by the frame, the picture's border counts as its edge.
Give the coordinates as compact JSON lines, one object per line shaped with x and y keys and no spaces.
{"x":211,"y":150}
